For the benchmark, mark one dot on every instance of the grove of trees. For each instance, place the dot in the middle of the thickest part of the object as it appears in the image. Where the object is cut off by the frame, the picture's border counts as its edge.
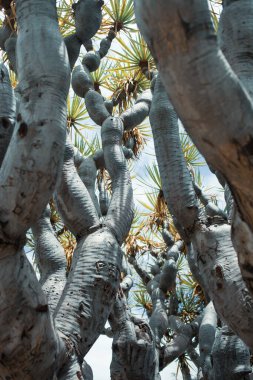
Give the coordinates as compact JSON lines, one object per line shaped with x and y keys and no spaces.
{"x":99,"y":102}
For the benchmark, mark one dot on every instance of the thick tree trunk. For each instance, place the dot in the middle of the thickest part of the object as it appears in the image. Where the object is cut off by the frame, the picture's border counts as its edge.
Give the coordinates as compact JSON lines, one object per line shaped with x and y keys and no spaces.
{"x":211,"y":97}
{"x":29,"y":345}
{"x":95,"y":272}
{"x":31,"y":164}
{"x":211,"y":241}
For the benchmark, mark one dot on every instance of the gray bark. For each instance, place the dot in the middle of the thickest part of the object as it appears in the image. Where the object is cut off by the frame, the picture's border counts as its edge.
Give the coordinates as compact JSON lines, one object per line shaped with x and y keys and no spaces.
{"x":95,"y":272}
{"x":73,"y":200}
{"x":73,"y":45}
{"x":88,"y":17}
{"x":206,"y":339}
{"x":230,"y":356}
{"x":50,"y":259}
{"x":7,"y":110}
{"x":29,"y":343}
{"x":216,"y":257}
{"x":134,"y":353}
{"x":137,"y":114}
{"x":182,"y":200}
{"x":183,"y":334}
{"x":202,"y":85}
{"x":34,"y":156}
{"x":10,"y":48}
{"x":5,"y":33}
{"x":87,"y":171}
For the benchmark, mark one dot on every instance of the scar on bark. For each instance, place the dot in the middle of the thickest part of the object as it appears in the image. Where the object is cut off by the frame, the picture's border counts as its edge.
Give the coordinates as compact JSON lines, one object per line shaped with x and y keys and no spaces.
{"x":23,"y":129}
{"x":247,"y":149}
{"x":6,"y":122}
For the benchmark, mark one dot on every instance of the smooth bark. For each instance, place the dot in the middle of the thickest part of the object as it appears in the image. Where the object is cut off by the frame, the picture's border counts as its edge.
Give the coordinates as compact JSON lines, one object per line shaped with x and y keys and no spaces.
{"x":210,"y":237}
{"x":30,"y":347}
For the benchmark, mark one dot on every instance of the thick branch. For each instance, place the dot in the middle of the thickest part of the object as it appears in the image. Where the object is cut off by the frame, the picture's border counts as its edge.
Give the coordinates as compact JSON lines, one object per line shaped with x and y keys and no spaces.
{"x":159,"y":319}
{"x":181,"y":341}
{"x":236,"y":39}
{"x":134,"y":353}
{"x":206,"y":338}
{"x":144,"y":275}
{"x":88,"y":17}
{"x":202,"y":86}
{"x":73,"y":200}
{"x":50,"y":258}
{"x":176,"y":179}
{"x":35,"y":152}
{"x":28,"y":342}
{"x":7,"y":110}
{"x":210,"y":208}
{"x":104,"y":199}
{"x":10,"y":46}
{"x":135,"y":115}
{"x":121,"y":209}
{"x":95,"y":273}
{"x":87,"y":171}
{"x":231,"y":358}
{"x":73,"y":45}
{"x":218,"y":264}
{"x":169,"y":269}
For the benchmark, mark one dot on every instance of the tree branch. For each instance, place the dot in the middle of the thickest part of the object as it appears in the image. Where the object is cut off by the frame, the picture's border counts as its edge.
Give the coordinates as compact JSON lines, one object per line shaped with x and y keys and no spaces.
{"x":235,"y":35}
{"x":29,"y":344}
{"x":134,"y":353}
{"x":218,"y":264}
{"x":121,"y":209}
{"x":206,"y":338}
{"x":7,"y":111}
{"x":50,"y":258}
{"x":35,"y":152}
{"x":176,"y":179}
{"x":231,"y":357}
{"x":210,"y":208}
{"x":135,"y":115}
{"x":73,"y":200}
{"x":95,"y":272}
{"x":87,"y":171}
{"x":201,"y":84}
{"x":144,"y":275}
{"x":181,"y":341}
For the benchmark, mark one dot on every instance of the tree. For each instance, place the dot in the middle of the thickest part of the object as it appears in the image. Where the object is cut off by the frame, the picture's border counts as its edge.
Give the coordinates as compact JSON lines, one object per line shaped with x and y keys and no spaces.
{"x":191,"y":56}
{"x":76,"y":195}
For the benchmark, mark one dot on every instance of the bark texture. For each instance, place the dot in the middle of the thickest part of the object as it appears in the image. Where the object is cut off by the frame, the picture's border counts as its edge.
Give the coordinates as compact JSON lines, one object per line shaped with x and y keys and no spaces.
{"x":29,"y":345}
{"x":189,"y":57}
{"x":210,"y":234}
